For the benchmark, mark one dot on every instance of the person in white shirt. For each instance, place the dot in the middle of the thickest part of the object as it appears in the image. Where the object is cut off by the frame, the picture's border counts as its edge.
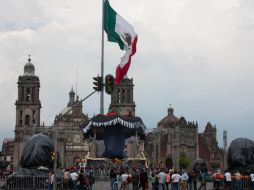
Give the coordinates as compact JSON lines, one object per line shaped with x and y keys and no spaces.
{"x":162,"y":180}
{"x":124,"y":180}
{"x":185,"y":178}
{"x":66,"y":182}
{"x":228,"y":179}
{"x":175,"y":180}
{"x":252,"y":178}
{"x":74,"y":179}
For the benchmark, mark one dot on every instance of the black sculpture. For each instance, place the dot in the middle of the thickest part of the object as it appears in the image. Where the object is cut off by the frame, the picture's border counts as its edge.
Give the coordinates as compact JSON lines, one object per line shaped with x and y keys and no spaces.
{"x":199,"y":166}
{"x":36,"y":161}
{"x":241,"y":155}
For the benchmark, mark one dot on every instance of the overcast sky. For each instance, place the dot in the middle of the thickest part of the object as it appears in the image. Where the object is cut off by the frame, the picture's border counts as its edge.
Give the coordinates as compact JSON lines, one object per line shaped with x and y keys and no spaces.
{"x":196,"y":55}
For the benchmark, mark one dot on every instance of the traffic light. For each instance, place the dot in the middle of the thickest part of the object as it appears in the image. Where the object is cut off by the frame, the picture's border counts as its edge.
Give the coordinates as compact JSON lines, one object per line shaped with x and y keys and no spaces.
{"x":109,"y":84}
{"x":98,"y":83}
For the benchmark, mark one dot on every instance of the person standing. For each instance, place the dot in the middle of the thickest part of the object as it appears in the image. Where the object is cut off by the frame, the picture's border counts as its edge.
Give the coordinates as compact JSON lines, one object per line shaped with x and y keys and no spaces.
{"x":194,"y":177}
{"x":228,"y":180}
{"x":162,"y":180}
{"x":238,"y":180}
{"x":74,"y":179}
{"x":202,"y":180}
{"x":175,"y":180}
{"x":124,"y":180}
{"x":91,"y":180}
{"x":184,"y":180}
{"x":81,"y":179}
{"x":252,"y":178}
{"x":153,"y":180}
{"x":217,"y":178}
{"x":167,"y":179}
{"x":66,"y":182}
{"x":190,"y":174}
{"x":156,"y":175}
{"x":135,"y":179}
{"x":113,"y":179}
{"x":143,"y":179}
{"x":51,"y":179}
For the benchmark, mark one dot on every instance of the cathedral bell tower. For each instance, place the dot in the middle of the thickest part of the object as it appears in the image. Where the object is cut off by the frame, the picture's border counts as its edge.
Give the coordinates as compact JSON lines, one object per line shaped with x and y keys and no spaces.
{"x":28,"y":104}
{"x":122,"y":98}
{"x":28,"y":108}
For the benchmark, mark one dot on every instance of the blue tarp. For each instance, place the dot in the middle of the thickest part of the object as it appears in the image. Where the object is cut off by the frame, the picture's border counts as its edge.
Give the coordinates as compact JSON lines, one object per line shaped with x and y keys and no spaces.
{"x":114,"y":142}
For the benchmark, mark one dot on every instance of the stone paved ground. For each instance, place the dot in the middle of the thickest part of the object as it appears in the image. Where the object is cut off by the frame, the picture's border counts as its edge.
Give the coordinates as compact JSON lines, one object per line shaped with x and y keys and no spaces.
{"x":105,"y":185}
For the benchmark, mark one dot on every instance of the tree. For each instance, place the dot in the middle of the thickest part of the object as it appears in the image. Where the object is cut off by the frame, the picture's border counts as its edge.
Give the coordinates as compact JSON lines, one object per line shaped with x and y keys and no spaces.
{"x":214,"y":165}
{"x":184,"y":162}
{"x":169,"y":163}
{"x":3,"y":165}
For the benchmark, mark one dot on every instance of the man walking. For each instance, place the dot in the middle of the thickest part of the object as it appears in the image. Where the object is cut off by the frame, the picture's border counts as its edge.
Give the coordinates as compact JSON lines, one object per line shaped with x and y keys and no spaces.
{"x":228,"y":180}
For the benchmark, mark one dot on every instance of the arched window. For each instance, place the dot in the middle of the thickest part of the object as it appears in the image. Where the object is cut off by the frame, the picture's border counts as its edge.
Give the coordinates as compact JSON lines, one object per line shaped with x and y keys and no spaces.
{"x":118,"y":96}
{"x":123,"y":96}
{"x":27,"y":120}
{"x":28,"y":95}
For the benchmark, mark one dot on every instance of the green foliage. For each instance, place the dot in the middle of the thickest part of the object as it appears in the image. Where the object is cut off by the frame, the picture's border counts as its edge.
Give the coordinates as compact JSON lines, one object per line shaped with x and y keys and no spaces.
{"x":184,"y":162}
{"x":3,"y":165}
{"x":214,"y":165}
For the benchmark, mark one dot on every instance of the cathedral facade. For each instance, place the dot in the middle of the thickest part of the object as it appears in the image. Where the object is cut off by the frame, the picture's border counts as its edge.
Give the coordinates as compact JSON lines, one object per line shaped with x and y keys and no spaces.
{"x":173,"y":138}
{"x":66,"y":128}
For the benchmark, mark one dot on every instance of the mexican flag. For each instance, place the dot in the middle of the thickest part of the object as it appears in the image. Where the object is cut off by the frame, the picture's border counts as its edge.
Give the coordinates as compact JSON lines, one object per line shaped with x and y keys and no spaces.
{"x":121,"y":32}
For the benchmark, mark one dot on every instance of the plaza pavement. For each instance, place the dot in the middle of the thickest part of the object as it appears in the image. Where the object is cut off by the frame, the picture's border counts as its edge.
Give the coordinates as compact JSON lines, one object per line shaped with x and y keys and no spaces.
{"x":105,"y":185}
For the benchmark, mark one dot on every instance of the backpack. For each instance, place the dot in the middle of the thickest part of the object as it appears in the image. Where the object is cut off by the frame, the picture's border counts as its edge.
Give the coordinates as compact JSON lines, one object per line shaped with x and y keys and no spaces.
{"x":217,"y":177}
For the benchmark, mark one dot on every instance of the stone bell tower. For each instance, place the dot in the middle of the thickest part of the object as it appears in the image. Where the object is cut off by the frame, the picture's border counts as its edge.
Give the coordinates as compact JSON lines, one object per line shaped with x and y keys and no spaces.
{"x":28,"y":107}
{"x":122,"y":98}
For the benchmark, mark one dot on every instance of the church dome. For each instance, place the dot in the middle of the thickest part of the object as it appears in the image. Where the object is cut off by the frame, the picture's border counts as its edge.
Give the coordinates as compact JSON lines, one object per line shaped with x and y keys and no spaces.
{"x":29,"y":68}
{"x":170,"y":118}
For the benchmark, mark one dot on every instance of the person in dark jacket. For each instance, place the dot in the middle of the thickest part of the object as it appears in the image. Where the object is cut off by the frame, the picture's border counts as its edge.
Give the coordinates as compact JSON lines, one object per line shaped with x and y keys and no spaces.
{"x":143,"y":179}
{"x":135,"y":179}
{"x":81,"y":179}
{"x":113,"y":179}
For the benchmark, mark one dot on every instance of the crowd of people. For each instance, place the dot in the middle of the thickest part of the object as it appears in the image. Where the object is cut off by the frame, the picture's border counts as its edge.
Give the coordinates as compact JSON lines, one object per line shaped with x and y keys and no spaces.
{"x":75,"y":180}
{"x":164,"y":179}
{"x":229,"y":179}
{"x":123,"y":178}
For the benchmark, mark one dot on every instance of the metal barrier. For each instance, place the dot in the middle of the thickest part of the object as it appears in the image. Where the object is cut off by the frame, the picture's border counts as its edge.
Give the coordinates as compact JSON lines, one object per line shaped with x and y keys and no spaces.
{"x":38,"y":182}
{"x":29,"y":183}
{"x":246,"y":184}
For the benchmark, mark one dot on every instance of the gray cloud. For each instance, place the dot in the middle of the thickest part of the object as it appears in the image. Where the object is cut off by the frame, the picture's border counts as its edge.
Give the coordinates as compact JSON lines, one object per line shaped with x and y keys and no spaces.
{"x":196,"y":55}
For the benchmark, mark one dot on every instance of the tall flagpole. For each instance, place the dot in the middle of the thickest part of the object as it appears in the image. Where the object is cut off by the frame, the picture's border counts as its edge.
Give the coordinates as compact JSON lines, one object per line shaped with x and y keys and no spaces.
{"x":102,"y":62}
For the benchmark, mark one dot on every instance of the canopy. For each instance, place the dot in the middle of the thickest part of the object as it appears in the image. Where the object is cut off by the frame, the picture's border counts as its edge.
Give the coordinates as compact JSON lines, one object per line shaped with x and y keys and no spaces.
{"x":131,"y":126}
{"x":114,"y":129}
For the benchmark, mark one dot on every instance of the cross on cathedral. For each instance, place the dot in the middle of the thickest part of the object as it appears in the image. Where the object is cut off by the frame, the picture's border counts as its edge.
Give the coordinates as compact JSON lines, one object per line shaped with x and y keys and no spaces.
{"x":29,"y":58}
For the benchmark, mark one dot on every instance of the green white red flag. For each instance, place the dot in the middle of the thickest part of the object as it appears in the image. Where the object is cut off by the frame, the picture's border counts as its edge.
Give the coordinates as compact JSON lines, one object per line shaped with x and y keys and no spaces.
{"x":120,"y":31}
